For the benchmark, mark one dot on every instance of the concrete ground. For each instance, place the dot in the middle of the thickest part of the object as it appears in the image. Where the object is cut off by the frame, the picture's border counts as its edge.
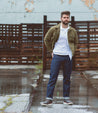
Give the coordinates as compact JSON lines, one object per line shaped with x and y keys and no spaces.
{"x":21,"y":90}
{"x":92,"y":77}
{"x":16,"y":85}
{"x":83,"y":95}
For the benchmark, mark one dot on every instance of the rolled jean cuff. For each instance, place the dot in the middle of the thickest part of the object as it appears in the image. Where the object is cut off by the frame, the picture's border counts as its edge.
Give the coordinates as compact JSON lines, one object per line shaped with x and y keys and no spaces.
{"x":66,"y":97}
{"x":49,"y":98}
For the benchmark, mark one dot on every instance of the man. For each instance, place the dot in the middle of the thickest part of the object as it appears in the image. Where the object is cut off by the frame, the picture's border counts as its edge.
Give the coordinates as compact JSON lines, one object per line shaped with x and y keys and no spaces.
{"x":61,"y":40}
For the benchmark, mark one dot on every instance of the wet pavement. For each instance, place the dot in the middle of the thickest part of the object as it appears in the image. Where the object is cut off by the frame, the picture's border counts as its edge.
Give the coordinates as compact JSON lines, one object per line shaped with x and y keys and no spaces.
{"x":83,"y":95}
{"x":92,"y":77}
{"x":21,"y":90}
{"x":17,"y":88}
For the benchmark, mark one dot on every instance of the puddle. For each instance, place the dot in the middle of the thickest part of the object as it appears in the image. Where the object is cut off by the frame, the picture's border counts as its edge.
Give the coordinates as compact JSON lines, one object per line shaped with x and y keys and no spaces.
{"x":15,"y":81}
{"x":16,"y":91}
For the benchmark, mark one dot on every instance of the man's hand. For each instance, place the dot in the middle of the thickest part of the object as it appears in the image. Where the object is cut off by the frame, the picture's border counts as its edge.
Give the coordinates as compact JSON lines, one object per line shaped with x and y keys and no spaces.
{"x":52,"y":54}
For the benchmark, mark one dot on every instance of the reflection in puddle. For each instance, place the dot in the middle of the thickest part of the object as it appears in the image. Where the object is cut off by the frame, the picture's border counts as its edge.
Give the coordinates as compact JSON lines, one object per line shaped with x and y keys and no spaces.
{"x":15,"y":81}
{"x":16,"y":90}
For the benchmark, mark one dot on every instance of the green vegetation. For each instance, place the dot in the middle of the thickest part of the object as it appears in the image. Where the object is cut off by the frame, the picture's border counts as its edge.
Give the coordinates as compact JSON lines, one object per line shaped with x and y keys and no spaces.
{"x":8,"y":103}
{"x":39,"y":67}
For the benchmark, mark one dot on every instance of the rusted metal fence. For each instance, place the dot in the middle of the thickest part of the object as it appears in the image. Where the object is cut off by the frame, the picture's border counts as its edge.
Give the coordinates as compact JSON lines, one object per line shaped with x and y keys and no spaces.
{"x":21,"y":44}
{"x":86,"y":56}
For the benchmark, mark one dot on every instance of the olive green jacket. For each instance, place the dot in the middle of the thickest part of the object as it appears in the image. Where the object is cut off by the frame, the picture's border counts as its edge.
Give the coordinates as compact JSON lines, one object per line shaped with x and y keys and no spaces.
{"x":52,"y":36}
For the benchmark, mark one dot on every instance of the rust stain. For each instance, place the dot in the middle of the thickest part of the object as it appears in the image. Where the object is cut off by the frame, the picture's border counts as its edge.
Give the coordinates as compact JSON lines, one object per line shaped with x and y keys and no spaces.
{"x":89,"y":4}
{"x":92,"y":2}
{"x":27,"y":3}
{"x":62,"y":1}
{"x":95,"y":17}
{"x":70,"y":1}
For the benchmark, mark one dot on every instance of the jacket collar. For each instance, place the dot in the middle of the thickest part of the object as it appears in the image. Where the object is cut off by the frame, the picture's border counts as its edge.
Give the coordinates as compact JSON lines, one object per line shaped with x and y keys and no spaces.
{"x":58,"y":27}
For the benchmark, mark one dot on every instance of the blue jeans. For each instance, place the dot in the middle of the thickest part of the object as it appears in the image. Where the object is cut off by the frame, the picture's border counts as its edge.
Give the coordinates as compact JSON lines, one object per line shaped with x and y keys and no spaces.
{"x":57,"y":61}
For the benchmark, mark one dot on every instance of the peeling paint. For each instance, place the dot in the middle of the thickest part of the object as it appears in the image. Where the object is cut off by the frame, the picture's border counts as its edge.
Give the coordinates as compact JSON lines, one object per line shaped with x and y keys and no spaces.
{"x":29,"y":5}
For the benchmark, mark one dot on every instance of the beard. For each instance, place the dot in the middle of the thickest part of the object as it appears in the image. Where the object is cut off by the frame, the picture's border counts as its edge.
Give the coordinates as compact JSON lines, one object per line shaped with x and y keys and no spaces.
{"x":65,"y":23}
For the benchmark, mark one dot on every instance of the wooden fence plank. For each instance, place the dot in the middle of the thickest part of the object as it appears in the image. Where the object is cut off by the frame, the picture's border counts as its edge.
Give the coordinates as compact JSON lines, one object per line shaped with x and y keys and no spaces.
{"x":20,"y":43}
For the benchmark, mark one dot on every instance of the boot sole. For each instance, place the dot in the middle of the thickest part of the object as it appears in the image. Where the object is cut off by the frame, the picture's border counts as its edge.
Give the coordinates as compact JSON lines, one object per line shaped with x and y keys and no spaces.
{"x":67,"y":103}
{"x":42,"y":104}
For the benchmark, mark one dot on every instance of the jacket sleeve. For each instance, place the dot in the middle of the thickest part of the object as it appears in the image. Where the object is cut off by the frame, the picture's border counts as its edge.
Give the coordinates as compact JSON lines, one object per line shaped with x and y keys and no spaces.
{"x":76,"y":40}
{"x":47,"y":39}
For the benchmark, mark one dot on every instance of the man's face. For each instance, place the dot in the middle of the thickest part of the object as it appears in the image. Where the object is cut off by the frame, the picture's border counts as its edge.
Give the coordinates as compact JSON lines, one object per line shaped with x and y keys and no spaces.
{"x":65,"y":19}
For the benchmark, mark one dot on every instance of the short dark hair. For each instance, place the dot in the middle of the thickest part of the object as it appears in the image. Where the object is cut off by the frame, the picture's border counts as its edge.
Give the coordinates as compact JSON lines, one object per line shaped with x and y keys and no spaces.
{"x":65,"y":12}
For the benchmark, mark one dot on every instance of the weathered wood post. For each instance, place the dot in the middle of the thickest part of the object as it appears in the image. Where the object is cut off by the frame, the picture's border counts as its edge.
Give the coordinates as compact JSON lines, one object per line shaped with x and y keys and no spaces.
{"x":73,"y":25}
{"x":44,"y":48}
{"x":73,"y":21}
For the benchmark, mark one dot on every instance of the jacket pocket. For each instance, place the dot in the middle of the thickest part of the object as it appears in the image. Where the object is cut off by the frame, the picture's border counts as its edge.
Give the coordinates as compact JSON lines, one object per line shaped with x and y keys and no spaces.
{"x":71,"y":39}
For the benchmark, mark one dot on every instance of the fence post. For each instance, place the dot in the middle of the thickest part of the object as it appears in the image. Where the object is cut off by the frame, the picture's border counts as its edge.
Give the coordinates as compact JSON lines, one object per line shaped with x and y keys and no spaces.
{"x":44,"y":48}
{"x":73,"y":21}
{"x":73,"y":25}
{"x":88,"y":41}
